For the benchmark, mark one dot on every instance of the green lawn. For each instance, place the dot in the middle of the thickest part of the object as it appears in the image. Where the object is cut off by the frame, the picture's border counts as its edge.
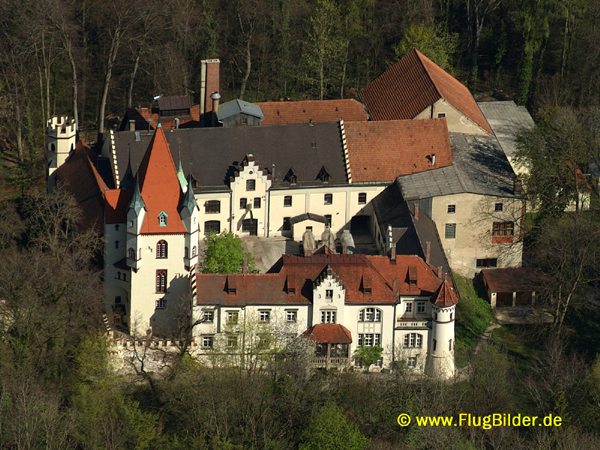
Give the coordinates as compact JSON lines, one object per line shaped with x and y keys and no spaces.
{"x":473,"y":316}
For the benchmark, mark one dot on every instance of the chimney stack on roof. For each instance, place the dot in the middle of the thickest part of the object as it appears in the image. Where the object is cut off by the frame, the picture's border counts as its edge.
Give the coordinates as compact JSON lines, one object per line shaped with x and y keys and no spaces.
{"x":245,"y":265}
{"x":132,"y":125}
{"x":416,"y":211}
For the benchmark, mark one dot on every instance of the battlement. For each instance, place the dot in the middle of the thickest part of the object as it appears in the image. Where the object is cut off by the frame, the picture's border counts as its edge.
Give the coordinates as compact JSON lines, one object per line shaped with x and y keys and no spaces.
{"x":61,"y":127}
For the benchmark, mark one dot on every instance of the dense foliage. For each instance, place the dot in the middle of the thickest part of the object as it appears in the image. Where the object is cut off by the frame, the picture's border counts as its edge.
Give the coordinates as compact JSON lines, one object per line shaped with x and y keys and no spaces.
{"x":223,"y":253}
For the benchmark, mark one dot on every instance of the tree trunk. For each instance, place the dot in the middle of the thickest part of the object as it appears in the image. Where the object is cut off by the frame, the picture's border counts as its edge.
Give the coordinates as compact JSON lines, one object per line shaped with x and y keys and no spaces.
{"x":112,"y":56}
{"x":131,"y":81}
{"x":248,"y":67}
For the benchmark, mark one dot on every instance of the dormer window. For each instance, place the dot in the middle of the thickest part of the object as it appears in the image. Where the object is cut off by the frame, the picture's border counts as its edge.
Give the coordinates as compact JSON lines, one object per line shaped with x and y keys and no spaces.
{"x":291,"y":176}
{"x":324,"y":175}
{"x":162,"y":219}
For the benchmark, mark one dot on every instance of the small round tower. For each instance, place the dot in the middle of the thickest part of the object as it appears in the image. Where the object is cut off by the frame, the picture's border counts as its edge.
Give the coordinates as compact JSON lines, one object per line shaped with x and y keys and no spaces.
{"x":440,"y":358}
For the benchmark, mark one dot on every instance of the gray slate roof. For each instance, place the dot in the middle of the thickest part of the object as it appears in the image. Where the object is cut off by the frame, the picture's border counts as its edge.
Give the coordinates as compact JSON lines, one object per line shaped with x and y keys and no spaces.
{"x":506,"y":119}
{"x":410,"y":234}
{"x":480,"y":167}
{"x":238,"y":106}
{"x":215,"y":153}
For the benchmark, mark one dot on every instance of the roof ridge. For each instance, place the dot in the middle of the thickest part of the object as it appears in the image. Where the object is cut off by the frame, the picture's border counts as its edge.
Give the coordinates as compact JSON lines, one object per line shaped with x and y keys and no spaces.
{"x":419,"y":54}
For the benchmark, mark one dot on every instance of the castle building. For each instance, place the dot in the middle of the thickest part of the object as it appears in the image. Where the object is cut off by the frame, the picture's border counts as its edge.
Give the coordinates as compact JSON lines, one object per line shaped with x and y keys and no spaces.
{"x":151,"y":233}
{"x":341,"y":302}
{"x":61,"y":141}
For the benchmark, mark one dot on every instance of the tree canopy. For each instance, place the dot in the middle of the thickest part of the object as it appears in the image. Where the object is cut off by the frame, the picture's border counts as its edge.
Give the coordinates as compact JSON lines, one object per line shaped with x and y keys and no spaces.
{"x":329,"y":429}
{"x":223,"y":253}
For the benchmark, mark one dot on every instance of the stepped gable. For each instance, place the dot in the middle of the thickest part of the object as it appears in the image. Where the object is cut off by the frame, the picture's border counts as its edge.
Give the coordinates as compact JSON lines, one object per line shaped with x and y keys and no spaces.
{"x":413,"y":84}
{"x":159,"y":187}
{"x":445,"y":296}
{"x":384,"y":150}
{"x":315,"y":111}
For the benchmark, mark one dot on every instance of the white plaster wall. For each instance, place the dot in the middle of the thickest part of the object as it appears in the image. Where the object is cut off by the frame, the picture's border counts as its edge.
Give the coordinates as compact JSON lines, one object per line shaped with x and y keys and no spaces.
{"x":336,"y":303}
{"x":144,"y":313}
{"x":474,"y":218}
{"x":457,"y":121}
{"x":238,"y":191}
{"x":223,"y":216}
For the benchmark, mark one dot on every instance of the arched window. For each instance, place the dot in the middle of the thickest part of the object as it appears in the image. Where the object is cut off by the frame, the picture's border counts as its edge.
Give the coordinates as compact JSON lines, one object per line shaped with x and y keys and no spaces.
{"x":161,"y":249}
{"x":194,"y":250}
{"x":369,"y":315}
{"x":118,"y":275}
{"x":131,"y":253}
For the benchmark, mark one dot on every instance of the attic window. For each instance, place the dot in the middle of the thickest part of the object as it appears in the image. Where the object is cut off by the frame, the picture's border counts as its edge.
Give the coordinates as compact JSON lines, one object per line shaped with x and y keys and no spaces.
{"x":162,"y":219}
{"x":313,"y":145}
{"x":324,"y":175}
{"x":291,"y":176}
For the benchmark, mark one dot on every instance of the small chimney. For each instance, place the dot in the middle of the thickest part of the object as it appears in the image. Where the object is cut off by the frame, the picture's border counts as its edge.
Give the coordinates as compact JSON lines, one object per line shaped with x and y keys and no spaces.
{"x":344,"y":249}
{"x":394,"y":284}
{"x":440,"y":272}
{"x":416,"y":211}
{"x":433,"y":160}
{"x":428,"y":252}
{"x":215,"y":96}
{"x":393,"y":254}
{"x":177,"y":123}
{"x":132,"y":125}
{"x":245,"y":265}
{"x":307,"y":252}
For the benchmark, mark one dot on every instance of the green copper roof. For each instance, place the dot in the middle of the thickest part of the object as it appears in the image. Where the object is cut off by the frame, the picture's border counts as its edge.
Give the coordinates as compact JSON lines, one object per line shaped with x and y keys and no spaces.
{"x":189,"y":200}
{"x":137,"y":203}
{"x":182,"y":181}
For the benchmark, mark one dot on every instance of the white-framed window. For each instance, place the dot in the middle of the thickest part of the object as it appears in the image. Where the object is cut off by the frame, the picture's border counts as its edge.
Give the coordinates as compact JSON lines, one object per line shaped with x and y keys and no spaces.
{"x":287,"y":200}
{"x":250,"y":185}
{"x":162,"y":219}
{"x":264,"y":316}
{"x":161,"y":249}
{"x":327,"y":316}
{"x":328,"y":199}
{"x":328,"y":293}
{"x":233,"y":316}
{"x":362,"y":198}
{"x":369,"y":340}
{"x":411,"y":362}
{"x":369,"y":315}
{"x":421,"y":308}
{"x":208,"y":316}
{"x":161,"y":303}
{"x":413,"y":340}
{"x":408,"y":308}
{"x":291,"y":316}
{"x":207,"y":341}
{"x":450,"y":232}
{"x":451,"y":209}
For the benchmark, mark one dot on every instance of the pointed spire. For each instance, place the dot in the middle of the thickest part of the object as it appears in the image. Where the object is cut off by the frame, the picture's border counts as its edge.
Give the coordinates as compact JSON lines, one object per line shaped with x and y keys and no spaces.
{"x":127,"y":181}
{"x":189,"y":200}
{"x":445,"y":295}
{"x":182,"y":181}
{"x":137,"y":203}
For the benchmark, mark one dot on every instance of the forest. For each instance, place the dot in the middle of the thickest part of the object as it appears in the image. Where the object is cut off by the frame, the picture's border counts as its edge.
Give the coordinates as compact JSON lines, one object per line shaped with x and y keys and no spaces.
{"x":92,"y":59}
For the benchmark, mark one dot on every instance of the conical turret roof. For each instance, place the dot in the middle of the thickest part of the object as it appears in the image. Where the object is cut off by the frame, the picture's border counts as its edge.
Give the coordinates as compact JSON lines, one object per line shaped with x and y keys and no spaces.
{"x":445,"y":296}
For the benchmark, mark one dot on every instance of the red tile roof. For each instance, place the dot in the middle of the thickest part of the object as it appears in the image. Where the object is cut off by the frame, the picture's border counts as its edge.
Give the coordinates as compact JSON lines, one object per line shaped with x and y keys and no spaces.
{"x":520,"y":279}
{"x":328,"y":333}
{"x":385,"y":150}
{"x":168,"y":123}
{"x":79,"y":177}
{"x":292,"y":278}
{"x":115,"y":207}
{"x":282,"y":113}
{"x":414,"y":83}
{"x":445,"y":296}
{"x":160,"y":188}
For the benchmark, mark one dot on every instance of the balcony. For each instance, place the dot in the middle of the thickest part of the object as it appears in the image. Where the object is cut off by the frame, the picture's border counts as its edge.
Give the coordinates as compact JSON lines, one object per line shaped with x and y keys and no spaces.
{"x":323,"y":362}
{"x":412,"y":323}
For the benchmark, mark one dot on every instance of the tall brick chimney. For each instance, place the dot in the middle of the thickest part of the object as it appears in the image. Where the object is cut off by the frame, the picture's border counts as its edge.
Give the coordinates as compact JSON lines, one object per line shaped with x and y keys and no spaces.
{"x":416,"y":211}
{"x":209,"y":83}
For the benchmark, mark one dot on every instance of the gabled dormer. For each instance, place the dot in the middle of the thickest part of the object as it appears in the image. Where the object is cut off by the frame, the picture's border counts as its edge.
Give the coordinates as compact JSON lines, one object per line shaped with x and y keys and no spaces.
{"x":324,"y":175}
{"x":291,"y":176}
